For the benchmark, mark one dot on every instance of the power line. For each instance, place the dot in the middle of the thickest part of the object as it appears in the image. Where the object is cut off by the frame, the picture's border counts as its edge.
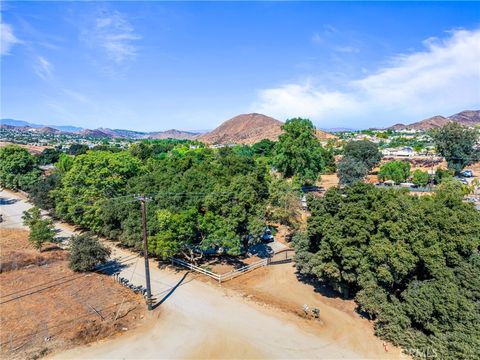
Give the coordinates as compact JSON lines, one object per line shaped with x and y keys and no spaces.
{"x":54,"y":285}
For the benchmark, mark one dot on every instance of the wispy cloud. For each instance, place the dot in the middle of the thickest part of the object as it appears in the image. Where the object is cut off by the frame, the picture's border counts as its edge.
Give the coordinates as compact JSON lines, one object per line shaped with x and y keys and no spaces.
{"x":43,"y":68}
{"x":114,"y":35}
{"x":441,"y":79}
{"x":7,"y":39}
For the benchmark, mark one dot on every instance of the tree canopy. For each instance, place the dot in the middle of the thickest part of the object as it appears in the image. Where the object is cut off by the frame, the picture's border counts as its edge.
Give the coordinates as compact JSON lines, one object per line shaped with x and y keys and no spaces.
{"x":359,"y":157}
{"x":298,"y":152}
{"x":411,"y":262}
{"x":398,"y":171}
{"x":92,"y":178}
{"x":351,"y":170}
{"x":457,"y":144}
{"x":364,"y":151}
{"x":17,"y":168}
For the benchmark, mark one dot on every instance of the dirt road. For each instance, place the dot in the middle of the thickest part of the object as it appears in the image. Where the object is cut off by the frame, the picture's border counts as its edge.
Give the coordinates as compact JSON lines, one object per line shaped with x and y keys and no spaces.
{"x":203,"y":321}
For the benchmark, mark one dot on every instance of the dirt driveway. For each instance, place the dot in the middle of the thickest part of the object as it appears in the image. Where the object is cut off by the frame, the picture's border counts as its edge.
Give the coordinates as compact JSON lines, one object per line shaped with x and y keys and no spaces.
{"x":199,"y":320}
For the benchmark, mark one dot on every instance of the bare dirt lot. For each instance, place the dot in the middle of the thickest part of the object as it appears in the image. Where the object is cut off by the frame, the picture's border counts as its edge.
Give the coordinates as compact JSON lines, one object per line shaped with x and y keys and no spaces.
{"x":46,"y":307}
{"x":278,"y":286}
{"x":32,"y":149}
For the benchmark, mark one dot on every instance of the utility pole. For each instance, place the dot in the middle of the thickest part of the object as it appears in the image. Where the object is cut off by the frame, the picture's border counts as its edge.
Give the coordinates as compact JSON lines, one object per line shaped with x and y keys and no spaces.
{"x":143,"y":206}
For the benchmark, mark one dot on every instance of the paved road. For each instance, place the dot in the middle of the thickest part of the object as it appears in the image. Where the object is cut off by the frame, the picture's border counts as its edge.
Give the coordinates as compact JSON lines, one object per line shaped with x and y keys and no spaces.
{"x":198,"y":320}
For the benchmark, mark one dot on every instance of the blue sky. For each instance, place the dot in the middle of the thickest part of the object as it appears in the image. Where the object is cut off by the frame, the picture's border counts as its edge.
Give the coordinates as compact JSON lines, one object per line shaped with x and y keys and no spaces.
{"x":162,"y":65}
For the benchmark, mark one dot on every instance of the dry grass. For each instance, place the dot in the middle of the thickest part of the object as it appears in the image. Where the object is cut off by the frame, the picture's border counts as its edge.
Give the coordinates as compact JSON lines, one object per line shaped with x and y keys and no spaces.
{"x":47,"y":307}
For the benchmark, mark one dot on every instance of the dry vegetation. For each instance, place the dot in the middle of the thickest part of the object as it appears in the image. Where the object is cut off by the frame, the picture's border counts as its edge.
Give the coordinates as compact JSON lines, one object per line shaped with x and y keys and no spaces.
{"x":46,"y":307}
{"x":32,"y":149}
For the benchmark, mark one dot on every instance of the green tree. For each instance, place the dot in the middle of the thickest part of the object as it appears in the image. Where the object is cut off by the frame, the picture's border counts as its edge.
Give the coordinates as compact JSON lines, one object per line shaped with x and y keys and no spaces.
{"x":86,"y":253}
{"x":411,"y":263}
{"x":17,"y":168}
{"x":48,"y":156}
{"x":64,"y":163}
{"x":363,"y":151}
{"x":398,"y":171}
{"x":41,"y":191}
{"x":93,"y":178}
{"x":77,"y":149}
{"x":351,"y":170}
{"x":41,"y":230}
{"x":264,"y":147}
{"x":457,"y":144}
{"x":298,"y":152}
{"x":284,"y":204}
{"x":420,"y":178}
{"x":442,"y":174}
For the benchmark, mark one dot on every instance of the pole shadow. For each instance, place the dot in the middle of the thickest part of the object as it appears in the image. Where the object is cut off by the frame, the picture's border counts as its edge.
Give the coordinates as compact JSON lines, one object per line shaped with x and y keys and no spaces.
{"x":172,"y":290}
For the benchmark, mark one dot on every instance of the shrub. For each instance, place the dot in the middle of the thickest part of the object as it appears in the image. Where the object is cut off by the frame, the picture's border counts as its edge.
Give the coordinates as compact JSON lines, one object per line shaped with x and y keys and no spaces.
{"x":86,"y":253}
{"x":420,"y":178}
{"x":398,"y":171}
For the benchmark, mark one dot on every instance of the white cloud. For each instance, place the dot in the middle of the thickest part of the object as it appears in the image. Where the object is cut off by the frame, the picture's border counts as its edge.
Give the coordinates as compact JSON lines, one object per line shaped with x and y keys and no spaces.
{"x":7,"y":39}
{"x":441,"y":79}
{"x":43,"y":68}
{"x":113,"y":33}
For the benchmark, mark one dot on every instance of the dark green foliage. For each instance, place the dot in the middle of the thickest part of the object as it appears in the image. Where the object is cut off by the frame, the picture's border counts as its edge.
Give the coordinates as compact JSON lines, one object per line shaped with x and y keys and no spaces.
{"x":41,"y":192}
{"x":264,"y":147}
{"x":443,"y":174}
{"x":420,"y":178}
{"x":77,"y":149}
{"x":411,"y":262}
{"x":351,"y":170}
{"x":457,"y":144}
{"x":284,"y":206}
{"x":86,"y":253}
{"x":205,"y":201}
{"x":158,"y":148}
{"x":298,"y":152}
{"x":93,"y":178}
{"x":359,"y":157}
{"x":48,"y":156}
{"x":17,"y":168}
{"x":363,"y":151}
{"x":398,"y":171}
{"x":41,"y":230}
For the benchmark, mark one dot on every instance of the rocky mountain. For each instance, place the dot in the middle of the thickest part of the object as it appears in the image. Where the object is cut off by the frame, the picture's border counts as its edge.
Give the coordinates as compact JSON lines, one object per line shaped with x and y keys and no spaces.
{"x":48,"y":130}
{"x":97,"y":133}
{"x":248,"y":129}
{"x":466,"y":118}
{"x":173,"y":134}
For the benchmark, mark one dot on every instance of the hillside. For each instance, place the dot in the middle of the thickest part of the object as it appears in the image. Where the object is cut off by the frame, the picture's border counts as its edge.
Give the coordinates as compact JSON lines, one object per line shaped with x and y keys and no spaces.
{"x":466,"y":118}
{"x":248,"y":129}
{"x":173,"y":134}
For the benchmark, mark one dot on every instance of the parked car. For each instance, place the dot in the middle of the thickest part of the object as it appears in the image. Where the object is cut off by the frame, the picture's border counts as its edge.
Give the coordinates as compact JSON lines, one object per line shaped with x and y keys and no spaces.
{"x":467,"y":173}
{"x":267,"y":236}
{"x":463,"y":181}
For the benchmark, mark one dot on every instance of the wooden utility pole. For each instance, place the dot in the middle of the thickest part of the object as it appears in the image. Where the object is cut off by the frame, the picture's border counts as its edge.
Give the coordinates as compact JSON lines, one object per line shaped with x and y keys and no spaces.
{"x":145,"y":249}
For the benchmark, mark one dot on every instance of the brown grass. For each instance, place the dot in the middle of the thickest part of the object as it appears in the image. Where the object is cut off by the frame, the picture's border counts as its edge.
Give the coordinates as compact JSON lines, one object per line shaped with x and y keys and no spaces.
{"x":47,"y":307}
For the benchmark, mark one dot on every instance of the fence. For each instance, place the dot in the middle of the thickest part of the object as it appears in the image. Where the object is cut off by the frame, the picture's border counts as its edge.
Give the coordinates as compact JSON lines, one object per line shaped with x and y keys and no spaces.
{"x":282,"y":257}
{"x":222,"y":277}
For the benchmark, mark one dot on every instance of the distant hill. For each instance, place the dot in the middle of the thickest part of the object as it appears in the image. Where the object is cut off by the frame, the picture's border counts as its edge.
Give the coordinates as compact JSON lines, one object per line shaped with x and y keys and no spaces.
{"x":48,"y":130}
{"x":466,"y":118}
{"x":17,"y":123}
{"x":249,"y":129}
{"x":97,"y":133}
{"x":21,"y":125}
{"x":173,"y":134}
